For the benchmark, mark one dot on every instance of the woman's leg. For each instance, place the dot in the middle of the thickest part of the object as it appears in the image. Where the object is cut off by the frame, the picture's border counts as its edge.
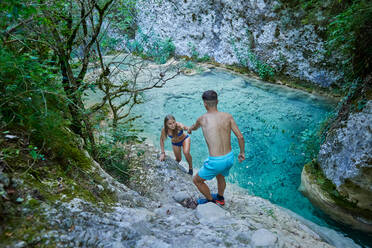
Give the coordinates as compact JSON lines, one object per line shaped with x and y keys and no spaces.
{"x":186,"y":151}
{"x":177,"y":152}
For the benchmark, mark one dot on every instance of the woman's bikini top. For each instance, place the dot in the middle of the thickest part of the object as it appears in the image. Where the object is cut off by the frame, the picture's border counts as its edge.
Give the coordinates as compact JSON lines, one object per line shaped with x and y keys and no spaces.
{"x":179,"y":134}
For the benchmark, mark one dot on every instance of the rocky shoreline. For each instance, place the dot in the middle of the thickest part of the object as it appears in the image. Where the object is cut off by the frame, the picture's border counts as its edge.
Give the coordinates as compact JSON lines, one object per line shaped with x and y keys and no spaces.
{"x":158,"y":216}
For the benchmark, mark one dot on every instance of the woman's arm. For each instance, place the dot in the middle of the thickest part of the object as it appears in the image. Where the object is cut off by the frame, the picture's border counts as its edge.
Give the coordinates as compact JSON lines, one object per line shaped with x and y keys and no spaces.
{"x":162,"y":138}
{"x":183,"y":127}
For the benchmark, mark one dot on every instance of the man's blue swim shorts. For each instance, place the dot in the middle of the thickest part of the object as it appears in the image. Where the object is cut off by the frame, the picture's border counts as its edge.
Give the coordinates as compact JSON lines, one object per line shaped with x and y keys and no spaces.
{"x":214,"y":166}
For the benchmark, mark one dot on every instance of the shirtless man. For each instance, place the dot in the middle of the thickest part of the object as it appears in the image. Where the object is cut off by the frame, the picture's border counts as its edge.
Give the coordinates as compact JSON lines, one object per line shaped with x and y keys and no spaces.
{"x":216,"y":128}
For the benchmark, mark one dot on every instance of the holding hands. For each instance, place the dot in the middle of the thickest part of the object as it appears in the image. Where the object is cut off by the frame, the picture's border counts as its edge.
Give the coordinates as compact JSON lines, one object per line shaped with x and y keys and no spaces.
{"x":189,"y":130}
{"x":241,"y":157}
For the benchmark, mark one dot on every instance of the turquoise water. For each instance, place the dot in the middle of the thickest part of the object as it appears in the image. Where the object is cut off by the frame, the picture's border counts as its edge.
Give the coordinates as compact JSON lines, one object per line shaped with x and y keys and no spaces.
{"x":272,"y":119}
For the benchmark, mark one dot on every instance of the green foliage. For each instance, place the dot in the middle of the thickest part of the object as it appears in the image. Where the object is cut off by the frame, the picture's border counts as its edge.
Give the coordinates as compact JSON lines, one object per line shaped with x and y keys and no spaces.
{"x":248,"y":59}
{"x":161,"y":50}
{"x":29,"y":95}
{"x":195,"y":54}
{"x":150,"y":46}
{"x":112,"y":153}
{"x":122,"y":23}
{"x":310,"y":143}
{"x":189,"y":65}
{"x":351,"y":33}
{"x":349,"y":30}
{"x":35,"y":154}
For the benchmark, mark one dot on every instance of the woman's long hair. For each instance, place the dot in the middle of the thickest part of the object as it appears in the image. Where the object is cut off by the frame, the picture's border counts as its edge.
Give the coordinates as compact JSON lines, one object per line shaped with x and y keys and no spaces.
{"x":166,"y":119}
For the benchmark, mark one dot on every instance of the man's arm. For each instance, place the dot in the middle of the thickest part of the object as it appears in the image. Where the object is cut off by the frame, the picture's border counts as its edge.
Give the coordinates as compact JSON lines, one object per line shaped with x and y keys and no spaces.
{"x":240,"y":137}
{"x":194,"y":126}
{"x":183,"y":127}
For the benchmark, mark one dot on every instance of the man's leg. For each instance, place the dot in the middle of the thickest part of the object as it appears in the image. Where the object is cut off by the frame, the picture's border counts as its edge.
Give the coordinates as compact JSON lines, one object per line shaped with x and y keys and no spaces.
{"x":221,"y":184}
{"x":202,"y":187}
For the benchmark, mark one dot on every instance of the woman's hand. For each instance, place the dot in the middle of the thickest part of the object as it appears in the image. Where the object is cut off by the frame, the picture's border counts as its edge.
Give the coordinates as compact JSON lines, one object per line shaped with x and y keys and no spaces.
{"x":162,"y":156}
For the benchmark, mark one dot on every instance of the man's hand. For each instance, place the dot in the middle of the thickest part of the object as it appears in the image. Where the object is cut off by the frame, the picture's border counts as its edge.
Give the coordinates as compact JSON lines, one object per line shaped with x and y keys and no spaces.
{"x":162,"y":157}
{"x":241,"y":157}
{"x":189,"y":130}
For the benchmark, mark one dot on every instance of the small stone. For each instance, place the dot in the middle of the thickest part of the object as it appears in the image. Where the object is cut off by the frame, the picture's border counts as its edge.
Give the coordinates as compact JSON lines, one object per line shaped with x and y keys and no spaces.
{"x":20,"y":244}
{"x":100,"y":187}
{"x":263,"y":238}
{"x":180,"y":196}
{"x":244,"y":237}
{"x":8,"y":136}
{"x":4,"y":179}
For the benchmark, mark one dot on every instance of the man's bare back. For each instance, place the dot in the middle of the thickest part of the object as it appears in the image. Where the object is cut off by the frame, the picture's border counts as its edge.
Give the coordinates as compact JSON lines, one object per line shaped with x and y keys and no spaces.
{"x":216,"y":128}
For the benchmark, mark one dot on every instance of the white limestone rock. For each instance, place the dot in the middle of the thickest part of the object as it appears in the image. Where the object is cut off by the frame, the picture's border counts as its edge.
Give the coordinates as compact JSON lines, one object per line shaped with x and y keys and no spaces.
{"x":264,"y":238}
{"x":211,"y":213}
{"x":180,"y":196}
{"x":275,"y":37}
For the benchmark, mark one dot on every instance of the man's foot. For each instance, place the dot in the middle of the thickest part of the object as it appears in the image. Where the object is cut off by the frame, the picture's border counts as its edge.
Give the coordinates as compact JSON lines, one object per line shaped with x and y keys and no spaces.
{"x":203,"y":201}
{"x":220,"y":200}
{"x":190,"y":172}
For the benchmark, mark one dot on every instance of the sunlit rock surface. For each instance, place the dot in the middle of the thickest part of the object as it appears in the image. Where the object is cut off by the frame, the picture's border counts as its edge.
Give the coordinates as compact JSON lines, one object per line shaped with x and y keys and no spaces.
{"x":220,"y":28}
{"x":155,"y":219}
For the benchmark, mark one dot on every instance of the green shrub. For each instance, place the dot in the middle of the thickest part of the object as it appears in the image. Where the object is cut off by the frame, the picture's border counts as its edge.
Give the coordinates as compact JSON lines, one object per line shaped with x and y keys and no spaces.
{"x":30,"y":96}
{"x":112,"y":153}
{"x":351,"y":33}
{"x":247,"y":58}
{"x":150,"y":46}
{"x":195,"y":55}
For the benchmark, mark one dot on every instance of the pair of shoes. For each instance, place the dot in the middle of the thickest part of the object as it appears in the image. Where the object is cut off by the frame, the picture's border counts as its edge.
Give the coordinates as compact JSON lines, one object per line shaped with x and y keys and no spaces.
{"x":203,"y":201}
{"x":190,"y":172}
{"x":219,"y":201}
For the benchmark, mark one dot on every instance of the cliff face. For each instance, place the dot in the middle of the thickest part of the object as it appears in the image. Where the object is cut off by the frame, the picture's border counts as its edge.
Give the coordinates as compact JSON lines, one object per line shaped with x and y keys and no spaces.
{"x":346,"y":153}
{"x":225,"y":30}
{"x":345,"y":158}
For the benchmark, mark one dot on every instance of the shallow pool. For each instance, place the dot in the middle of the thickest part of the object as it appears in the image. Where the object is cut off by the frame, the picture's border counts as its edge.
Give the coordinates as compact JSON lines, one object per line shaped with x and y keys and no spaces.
{"x":274,"y":120}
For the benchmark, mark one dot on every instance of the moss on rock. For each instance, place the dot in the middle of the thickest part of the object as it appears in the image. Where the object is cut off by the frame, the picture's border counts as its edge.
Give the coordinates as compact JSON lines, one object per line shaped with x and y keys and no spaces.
{"x":63,"y":173}
{"x":324,"y":194}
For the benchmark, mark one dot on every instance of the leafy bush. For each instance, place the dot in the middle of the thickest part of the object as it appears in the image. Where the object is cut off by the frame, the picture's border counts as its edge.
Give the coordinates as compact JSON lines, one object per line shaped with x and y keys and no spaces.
{"x":112,"y":152}
{"x":29,"y":94}
{"x":351,"y":33}
{"x":195,"y":54}
{"x":248,"y":59}
{"x":349,"y":30}
{"x":161,"y":50}
{"x":150,"y":46}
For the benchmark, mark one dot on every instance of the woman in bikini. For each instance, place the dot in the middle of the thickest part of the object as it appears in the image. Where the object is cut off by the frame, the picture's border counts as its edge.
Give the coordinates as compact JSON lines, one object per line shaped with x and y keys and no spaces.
{"x":179,"y":138}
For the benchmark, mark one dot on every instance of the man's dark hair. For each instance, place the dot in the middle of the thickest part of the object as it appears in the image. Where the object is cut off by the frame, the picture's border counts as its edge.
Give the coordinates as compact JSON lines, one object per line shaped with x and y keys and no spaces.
{"x":210,"y":98}
{"x":209,"y":95}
